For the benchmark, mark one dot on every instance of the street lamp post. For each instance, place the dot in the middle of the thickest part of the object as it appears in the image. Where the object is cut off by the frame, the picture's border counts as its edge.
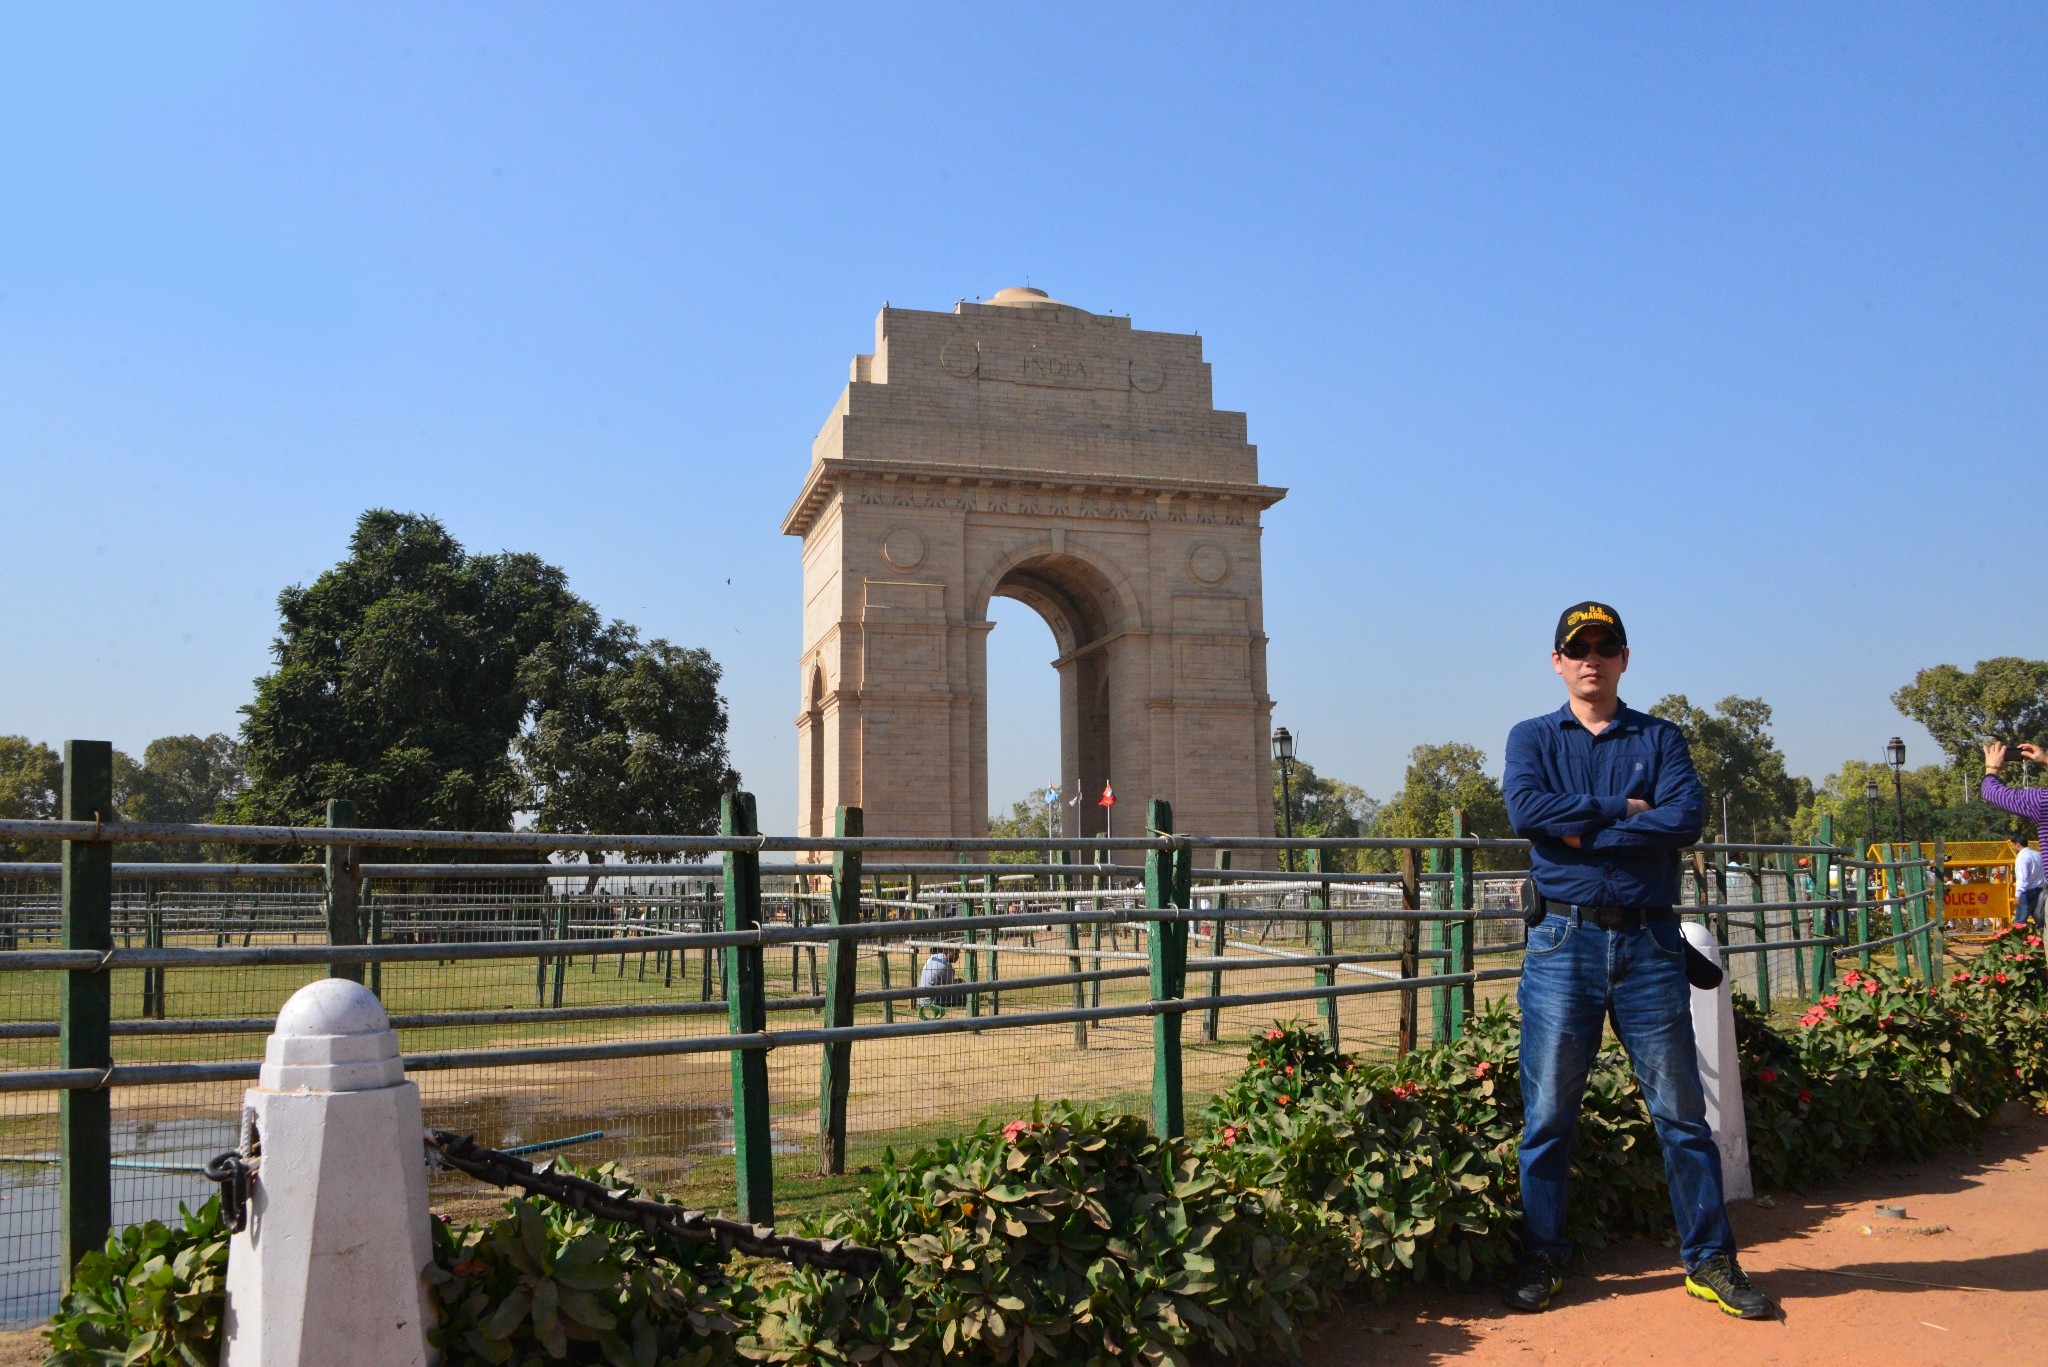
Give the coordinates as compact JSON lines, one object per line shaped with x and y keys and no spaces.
{"x":1870,"y":796}
{"x":1895,"y":755}
{"x":1283,"y":752}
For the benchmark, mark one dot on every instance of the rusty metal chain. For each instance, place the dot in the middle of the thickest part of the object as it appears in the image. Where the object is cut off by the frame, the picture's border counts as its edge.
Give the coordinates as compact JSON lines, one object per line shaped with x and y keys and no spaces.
{"x":463,"y":1153}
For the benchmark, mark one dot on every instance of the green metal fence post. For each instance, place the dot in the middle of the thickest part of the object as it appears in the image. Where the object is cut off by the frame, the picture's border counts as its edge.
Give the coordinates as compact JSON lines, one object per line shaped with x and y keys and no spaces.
{"x":973,"y":937}
{"x":991,"y":886}
{"x":344,"y":891}
{"x":1168,"y":876}
{"x":747,"y":1014}
{"x":1326,"y":944}
{"x":1439,"y":949}
{"x":85,"y":1008}
{"x":1411,"y":948}
{"x":1760,"y":923}
{"x":1864,"y":877}
{"x":1900,"y":910}
{"x":836,"y":1060}
{"x":1824,"y":890}
{"x":1788,"y":869}
{"x":1464,"y":999}
{"x":561,"y":960}
{"x":1938,"y":900}
{"x":1212,"y":1019}
{"x":1064,"y":883}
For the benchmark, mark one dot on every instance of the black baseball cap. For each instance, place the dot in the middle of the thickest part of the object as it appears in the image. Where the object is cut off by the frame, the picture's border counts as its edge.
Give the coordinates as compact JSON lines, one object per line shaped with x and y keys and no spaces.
{"x":1579,"y":616}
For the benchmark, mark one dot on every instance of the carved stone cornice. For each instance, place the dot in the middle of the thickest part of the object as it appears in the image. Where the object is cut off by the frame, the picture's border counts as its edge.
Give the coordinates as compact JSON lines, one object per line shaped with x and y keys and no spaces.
{"x":1032,"y":493}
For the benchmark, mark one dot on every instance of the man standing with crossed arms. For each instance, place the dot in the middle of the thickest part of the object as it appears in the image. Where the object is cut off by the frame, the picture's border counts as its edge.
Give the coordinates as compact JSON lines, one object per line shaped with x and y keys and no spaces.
{"x":1607,"y":796}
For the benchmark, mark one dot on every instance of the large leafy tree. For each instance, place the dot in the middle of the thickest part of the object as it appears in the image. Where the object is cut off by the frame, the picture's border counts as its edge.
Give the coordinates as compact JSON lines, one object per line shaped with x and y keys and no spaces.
{"x":31,"y":786}
{"x":180,"y":778}
{"x":628,"y":737}
{"x":2002,"y":699}
{"x":1027,"y":820}
{"x":406,"y":674}
{"x":1443,"y":779}
{"x":1737,"y":758}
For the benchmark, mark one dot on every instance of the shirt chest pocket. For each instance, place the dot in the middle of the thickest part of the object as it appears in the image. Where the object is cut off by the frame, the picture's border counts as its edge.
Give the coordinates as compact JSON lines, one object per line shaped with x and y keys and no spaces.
{"x":1628,"y":767}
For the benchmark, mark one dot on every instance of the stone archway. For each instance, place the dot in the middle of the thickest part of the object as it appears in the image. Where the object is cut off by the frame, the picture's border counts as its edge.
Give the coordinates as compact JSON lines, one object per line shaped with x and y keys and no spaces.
{"x":1030,"y":450}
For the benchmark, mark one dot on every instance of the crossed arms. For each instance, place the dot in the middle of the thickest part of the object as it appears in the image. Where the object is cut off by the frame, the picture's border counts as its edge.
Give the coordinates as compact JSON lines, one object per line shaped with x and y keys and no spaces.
{"x":1671,"y":818}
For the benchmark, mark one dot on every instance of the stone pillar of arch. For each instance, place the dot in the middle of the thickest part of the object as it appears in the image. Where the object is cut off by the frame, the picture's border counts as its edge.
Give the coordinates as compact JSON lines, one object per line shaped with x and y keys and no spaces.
{"x":1027,"y":449}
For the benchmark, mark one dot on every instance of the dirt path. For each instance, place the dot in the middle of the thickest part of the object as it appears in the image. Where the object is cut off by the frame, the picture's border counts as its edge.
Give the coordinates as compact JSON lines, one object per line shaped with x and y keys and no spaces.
{"x":1977,"y":1220}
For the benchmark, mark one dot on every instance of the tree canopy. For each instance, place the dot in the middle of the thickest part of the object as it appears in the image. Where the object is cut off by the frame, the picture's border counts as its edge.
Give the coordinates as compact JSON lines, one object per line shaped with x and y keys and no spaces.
{"x":31,"y":786}
{"x":1443,"y":779}
{"x":2001,"y":699}
{"x":443,"y":690}
{"x":1737,"y":758}
{"x":1937,"y":805}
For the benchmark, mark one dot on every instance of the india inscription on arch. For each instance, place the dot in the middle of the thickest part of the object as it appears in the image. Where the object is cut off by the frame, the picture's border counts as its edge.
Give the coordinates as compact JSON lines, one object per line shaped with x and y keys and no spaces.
{"x":1027,"y":449}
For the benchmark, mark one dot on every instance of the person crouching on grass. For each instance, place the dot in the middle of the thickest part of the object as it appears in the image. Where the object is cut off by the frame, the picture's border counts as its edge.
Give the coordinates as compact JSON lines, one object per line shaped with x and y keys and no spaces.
{"x":1607,"y":796}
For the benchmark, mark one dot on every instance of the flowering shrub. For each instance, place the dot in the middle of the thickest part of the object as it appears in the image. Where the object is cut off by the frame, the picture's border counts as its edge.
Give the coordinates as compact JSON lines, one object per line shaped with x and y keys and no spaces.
{"x":543,"y":1283}
{"x":2005,"y":993}
{"x":1888,"y":1067}
{"x":1287,"y":1064}
{"x":1076,"y":1237}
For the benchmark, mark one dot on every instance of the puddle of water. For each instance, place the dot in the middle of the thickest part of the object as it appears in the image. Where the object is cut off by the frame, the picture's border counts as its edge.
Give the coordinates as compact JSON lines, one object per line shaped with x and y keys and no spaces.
{"x":649,"y":1137}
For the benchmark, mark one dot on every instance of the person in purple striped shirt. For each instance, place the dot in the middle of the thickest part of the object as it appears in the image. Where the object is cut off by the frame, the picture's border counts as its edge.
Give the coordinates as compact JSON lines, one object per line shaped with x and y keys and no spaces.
{"x":2031,"y":803}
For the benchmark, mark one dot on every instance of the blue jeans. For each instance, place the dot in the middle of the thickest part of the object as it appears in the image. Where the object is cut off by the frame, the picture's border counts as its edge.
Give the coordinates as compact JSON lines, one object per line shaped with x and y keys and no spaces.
{"x":2030,"y":907}
{"x":1574,"y":977}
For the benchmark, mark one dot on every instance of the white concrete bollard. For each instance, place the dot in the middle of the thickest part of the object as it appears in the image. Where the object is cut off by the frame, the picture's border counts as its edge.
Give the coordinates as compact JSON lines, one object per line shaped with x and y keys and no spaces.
{"x":328,"y":1272}
{"x":1713,"y":1033}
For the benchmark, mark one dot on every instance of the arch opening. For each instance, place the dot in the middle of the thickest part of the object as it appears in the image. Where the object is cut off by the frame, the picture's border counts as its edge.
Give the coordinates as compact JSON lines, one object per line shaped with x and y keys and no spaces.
{"x":1085,"y":613}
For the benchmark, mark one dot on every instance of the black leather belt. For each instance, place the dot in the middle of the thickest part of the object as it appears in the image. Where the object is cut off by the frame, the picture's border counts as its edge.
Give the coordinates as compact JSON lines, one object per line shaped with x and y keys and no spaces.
{"x":1611,"y":918}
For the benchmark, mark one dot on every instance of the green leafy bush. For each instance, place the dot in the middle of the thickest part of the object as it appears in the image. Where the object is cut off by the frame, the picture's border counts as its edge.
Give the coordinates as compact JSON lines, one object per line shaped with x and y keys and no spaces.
{"x":1072,"y":1237}
{"x":154,"y":1296}
{"x":545,"y":1284}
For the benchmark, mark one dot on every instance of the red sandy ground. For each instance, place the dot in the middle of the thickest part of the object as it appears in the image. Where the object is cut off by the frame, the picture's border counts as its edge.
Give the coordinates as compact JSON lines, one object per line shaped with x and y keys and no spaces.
{"x":1978,"y":1219}
{"x":1977,"y":1225}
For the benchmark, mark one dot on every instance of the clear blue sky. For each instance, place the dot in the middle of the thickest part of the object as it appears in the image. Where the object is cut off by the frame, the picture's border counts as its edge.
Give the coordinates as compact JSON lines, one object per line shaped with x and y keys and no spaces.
{"x":1732,"y":315}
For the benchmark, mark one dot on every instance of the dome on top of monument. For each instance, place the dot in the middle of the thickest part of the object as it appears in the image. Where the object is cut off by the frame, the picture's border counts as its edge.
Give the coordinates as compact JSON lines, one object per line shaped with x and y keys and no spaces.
{"x":1027,"y":297}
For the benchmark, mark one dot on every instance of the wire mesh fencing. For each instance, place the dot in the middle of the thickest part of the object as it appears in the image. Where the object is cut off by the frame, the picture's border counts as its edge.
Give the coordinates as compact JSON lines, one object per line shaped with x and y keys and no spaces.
{"x":590,"y":1006}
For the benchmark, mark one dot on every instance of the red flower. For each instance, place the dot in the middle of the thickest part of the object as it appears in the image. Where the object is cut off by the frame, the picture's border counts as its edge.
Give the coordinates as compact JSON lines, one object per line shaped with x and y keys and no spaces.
{"x":1983,"y":978}
{"x":1404,"y":1090}
{"x":2033,"y":942}
{"x":1766,"y":1075}
{"x":1831,"y":1000}
{"x":1998,"y":977}
{"x":1229,"y":1135}
{"x":1850,"y":978}
{"x":1960,"y":978}
{"x":1870,"y":986}
{"x":1485,"y":1067}
{"x":1805,"y":1097}
{"x":1284,"y":1099}
{"x":1290,"y":1070}
{"x":1274,"y":1034}
{"x":1885,"y":1024}
{"x":1015,"y":1128}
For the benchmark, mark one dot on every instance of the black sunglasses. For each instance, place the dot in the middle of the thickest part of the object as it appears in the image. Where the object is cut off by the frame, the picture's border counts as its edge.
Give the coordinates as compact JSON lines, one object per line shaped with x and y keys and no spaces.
{"x":1608,"y":647}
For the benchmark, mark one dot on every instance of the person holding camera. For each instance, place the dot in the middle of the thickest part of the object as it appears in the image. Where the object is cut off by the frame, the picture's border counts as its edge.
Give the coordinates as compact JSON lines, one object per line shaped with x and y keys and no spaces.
{"x":1607,"y":796}
{"x":2031,"y":803}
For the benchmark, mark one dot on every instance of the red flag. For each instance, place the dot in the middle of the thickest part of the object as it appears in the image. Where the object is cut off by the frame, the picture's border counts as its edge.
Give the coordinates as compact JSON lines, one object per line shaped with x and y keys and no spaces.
{"x":1108,"y":798}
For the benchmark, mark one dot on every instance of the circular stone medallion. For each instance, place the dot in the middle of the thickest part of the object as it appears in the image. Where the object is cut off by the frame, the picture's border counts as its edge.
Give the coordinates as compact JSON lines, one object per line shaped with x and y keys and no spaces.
{"x":1207,"y":564}
{"x":1147,"y":377}
{"x":903,"y":548}
{"x":960,"y":359}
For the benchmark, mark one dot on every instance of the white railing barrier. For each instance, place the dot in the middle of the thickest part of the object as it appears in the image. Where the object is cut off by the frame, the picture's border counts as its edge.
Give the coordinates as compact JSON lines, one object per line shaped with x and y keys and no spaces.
{"x":328,"y":1271}
{"x":1713,"y":1032}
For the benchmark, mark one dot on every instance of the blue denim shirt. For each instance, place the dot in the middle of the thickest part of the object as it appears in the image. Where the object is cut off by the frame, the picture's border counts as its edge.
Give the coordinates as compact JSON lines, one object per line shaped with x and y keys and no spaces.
{"x":1561,"y":780}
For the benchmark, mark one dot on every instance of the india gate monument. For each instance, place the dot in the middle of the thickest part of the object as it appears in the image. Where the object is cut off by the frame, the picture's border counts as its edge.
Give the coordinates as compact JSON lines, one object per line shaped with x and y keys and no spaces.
{"x":1028,"y":449}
